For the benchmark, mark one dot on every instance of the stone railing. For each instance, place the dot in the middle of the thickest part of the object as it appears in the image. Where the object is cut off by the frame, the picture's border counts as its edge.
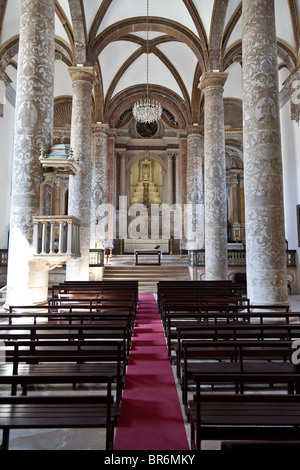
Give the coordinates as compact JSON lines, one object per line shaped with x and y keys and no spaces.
{"x":56,"y":236}
{"x":3,"y":257}
{"x":96,"y":258}
{"x":236,"y":258}
{"x":291,"y":257}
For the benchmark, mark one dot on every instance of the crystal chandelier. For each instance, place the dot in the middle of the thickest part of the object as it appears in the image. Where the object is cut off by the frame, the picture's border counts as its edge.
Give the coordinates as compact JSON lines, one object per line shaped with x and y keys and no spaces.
{"x":147,"y":110}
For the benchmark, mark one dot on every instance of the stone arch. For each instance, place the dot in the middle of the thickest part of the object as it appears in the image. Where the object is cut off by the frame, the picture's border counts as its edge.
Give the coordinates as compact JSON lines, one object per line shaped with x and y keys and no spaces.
{"x":125,"y":100}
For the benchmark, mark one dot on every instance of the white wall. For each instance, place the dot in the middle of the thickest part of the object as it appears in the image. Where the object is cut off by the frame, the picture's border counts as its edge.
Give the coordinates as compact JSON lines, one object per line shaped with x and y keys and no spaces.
{"x":6,"y":150}
{"x":233,"y":85}
{"x":290,"y":135}
{"x":62,"y":80}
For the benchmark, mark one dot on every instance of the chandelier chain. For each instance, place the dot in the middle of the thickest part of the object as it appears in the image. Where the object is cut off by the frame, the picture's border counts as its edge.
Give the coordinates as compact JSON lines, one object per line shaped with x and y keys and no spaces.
{"x":147,"y":111}
{"x":147,"y":49}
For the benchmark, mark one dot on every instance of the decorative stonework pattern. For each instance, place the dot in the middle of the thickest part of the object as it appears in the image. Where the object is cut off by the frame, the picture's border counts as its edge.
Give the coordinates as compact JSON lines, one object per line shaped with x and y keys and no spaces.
{"x":216,"y":258}
{"x":195,"y":183}
{"x":98,"y":183}
{"x":264,"y":210}
{"x":33,"y":129}
{"x":80,"y":185}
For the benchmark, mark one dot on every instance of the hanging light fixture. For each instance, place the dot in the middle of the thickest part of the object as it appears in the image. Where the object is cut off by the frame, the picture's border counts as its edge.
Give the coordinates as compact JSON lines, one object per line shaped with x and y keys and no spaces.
{"x":146,"y":110}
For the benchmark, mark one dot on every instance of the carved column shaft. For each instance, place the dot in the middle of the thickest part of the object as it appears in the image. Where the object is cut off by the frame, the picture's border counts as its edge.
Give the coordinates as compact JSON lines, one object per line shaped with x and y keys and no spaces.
{"x":195,"y":185}
{"x":216,"y":258}
{"x":80,"y":185}
{"x":264,"y":209}
{"x":98,"y":184}
{"x":26,"y":280}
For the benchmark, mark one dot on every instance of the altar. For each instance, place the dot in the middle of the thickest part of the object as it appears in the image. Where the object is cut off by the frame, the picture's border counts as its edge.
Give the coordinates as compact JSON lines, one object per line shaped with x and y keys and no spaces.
{"x":147,"y":253}
{"x":131,"y":245}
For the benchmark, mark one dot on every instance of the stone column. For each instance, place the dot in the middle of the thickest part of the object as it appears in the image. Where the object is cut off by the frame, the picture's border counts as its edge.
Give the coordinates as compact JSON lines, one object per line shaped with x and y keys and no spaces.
{"x":112,"y":188}
{"x":242,"y":201}
{"x":264,"y":209}
{"x":182,"y":138}
{"x":80,"y":185}
{"x":216,"y":257}
{"x":27,"y":278}
{"x":98,"y":184}
{"x":170,"y":178}
{"x":123,"y":174}
{"x":195,"y":186}
{"x":177,"y":179}
{"x":236,"y":219}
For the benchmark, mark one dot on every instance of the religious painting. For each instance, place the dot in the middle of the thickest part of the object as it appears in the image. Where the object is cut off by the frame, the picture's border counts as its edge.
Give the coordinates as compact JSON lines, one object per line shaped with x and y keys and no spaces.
{"x":146,"y":130}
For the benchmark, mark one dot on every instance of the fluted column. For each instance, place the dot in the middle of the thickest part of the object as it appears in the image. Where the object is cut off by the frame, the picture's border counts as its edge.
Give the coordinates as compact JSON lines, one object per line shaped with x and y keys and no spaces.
{"x":216,"y":258}
{"x":80,"y":185}
{"x":195,"y":186}
{"x":27,"y":278}
{"x":98,"y":184}
{"x":264,"y":209}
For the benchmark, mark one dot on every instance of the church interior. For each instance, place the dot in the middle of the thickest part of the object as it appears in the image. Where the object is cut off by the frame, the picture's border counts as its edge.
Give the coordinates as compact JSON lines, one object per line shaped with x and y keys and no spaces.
{"x":150,"y":169}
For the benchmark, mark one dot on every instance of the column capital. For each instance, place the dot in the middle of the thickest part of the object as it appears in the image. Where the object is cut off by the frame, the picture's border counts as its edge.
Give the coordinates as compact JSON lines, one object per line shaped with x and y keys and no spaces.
{"x":100,"y":128}
{"x":181,"y":134}
{"x":195,"y":129}
{"x":82,"y":74}
{"x":212,"y":80}
{"x":112,"y":133}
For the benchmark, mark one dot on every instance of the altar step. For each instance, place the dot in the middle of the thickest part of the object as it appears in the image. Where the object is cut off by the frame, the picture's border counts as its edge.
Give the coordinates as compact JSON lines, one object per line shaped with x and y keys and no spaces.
{"x":148,"y":276}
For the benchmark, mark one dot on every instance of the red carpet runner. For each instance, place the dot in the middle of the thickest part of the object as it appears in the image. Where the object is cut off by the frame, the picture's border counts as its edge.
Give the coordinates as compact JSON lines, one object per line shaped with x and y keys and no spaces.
{"x":151,"y":417}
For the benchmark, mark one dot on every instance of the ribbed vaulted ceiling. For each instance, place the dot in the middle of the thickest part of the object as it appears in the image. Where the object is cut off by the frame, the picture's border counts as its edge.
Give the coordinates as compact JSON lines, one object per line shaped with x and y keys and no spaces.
{"x":186,"y":38}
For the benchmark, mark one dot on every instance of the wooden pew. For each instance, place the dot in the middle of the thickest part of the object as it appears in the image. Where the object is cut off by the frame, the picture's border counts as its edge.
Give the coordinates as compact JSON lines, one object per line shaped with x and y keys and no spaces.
{"x":66,"y":358}
{"x":75,"y":332}
{"x":57,"y":411}
{"x":195,"y":319}
{"x":245,"y":417}
{"x":186,"y":288}
{"x":70,"y":313}
{"x":226,"y":332}
{"x":167,"y":303}
{"x":116,"y":288}
{"x":234,"y":356}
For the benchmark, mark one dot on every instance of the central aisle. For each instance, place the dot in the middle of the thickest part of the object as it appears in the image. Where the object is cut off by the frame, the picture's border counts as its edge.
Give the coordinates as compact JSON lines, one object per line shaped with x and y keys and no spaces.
{"x":151,"y":417}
